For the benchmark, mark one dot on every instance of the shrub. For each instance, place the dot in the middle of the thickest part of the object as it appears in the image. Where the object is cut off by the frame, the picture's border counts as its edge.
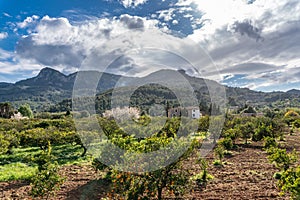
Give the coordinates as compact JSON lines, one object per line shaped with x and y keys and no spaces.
{"x":290,"y":182}
{"x":226,"y":143}
{"x":172,"y":178}
{"x":8,"y":140}
{"x":281,"y":158}
{"x":269,"y":142}
{"x":246,"y":130}
{"x":4,"y":143}
{"x":203,"y":124}
{"x":232,"y":133}
{"x":262,"y":131}
{"x":203,"y":177}
{"x":219,"y":152}
{"x":26,"y":111}
{"x":47,"y":181}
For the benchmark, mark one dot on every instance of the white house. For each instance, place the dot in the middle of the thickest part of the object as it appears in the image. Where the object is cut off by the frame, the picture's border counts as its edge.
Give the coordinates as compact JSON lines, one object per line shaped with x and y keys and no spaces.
{"x":18,"y":116}
{"x":192,"y":112}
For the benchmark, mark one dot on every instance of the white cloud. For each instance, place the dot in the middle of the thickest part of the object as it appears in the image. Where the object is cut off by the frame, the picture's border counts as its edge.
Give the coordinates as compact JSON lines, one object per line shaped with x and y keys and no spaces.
{"x":264,"y":32}
{"x":5,"y":55}
{"x":259,"y":40}
{"x":175,"y":22}
{"x":28,"y":21}
{"x":166,"y":15}
{"x":3,"y":35}
{"x":18,"y":68}
{"x":129,"y":40}
{"x":132,"y":3}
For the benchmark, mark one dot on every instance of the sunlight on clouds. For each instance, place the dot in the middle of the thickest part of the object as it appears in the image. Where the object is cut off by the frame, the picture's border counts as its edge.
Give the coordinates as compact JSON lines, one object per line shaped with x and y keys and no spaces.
{"x":258,"y":39}
{"x":265,"y":31}
{"x":28,"y":21}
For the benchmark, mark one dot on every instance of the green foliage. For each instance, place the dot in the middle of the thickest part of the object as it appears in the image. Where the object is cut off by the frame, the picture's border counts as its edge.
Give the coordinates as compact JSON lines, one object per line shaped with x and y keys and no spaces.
{"x":246,"y":130}
{"x":261,"y":132}
{"x":217,"y":163}
{"x":147,"y":185}
{"x":289,"y":176}
{"x":203,"y":177}
{"x":281,"y":158}
{"x":296,"y":123}
{"x":219,"y":151}
{"x":277,"y":175}
{"x":17,"y":171}
{"x":151,"y":184}
{"x":267,"y":127}
{"x":269,"y":142}
{"x":226,"y":143}
{"x":289,"y":181}
{"x":4,"y":143}
{"x":171,"y":178}
{"x":290,"y":116}
{"x":26,"y":111}
{"x":8,"y":140}
{"x":233,"y":134}
{"x":21,"y":164}
{"x":203,"y":124}
{"x":47,"y":180}
{"x":6,"y":110}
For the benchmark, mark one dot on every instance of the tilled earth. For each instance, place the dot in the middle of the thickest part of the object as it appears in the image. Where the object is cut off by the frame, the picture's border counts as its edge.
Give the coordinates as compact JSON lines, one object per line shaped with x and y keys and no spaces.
{"x":247,"y":174}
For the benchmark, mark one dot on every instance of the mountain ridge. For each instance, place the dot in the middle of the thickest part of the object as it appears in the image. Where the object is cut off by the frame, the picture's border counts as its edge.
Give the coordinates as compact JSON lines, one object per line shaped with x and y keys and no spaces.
{"x":50,"y":87}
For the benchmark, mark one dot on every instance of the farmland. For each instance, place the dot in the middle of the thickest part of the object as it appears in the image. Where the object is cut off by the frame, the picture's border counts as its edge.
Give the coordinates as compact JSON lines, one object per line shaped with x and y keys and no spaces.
{"x":242,"y":165}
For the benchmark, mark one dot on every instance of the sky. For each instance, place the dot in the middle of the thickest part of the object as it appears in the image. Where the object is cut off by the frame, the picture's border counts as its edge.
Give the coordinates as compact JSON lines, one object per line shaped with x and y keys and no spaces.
{"x":240,"y":43}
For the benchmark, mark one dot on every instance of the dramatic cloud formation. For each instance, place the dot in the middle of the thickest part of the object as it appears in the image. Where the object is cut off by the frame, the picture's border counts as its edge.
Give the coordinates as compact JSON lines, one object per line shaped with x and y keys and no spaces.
{"x":246,"y":28}
{"x":254,"y":43}
{"x":263,"y":32}
{"x":127,"y":45}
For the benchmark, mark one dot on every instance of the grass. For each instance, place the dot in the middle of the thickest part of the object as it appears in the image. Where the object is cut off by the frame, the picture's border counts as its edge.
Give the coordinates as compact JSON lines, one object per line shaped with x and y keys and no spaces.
{"x":16,"y":171}
{"x":20,"y":165}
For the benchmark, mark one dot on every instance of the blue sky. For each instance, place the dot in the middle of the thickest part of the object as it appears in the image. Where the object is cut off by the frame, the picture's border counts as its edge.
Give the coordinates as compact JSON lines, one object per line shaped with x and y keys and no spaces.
{"x":242,"y":43}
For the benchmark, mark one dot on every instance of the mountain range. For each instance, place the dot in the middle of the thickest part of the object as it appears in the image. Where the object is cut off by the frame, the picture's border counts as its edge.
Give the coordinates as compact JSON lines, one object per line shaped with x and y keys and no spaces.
{"x":50,"y":87}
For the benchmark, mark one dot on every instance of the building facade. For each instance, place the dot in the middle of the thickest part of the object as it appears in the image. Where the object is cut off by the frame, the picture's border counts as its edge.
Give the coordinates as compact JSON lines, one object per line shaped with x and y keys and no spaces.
{"x":191,"y":112}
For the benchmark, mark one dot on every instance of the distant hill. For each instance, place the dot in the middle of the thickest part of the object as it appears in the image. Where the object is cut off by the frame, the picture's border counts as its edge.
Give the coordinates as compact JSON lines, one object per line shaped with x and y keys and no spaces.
{"x":52,"y":89}
{"x":48,"y":88}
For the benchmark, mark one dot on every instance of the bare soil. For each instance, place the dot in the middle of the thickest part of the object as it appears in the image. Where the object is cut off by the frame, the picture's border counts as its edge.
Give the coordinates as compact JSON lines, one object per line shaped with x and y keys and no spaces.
{"x":247,"y":174}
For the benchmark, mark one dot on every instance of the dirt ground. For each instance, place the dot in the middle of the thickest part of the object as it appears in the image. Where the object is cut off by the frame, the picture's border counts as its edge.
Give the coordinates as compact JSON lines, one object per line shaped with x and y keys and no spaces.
{"x":247,"y":174}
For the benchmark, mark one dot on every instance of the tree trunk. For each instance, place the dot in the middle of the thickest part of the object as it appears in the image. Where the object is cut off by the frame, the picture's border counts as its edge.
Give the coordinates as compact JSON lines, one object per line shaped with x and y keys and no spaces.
{"x":84,"y":151}
{"x":159,"y":193}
